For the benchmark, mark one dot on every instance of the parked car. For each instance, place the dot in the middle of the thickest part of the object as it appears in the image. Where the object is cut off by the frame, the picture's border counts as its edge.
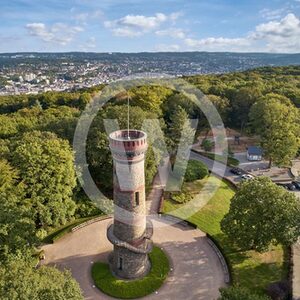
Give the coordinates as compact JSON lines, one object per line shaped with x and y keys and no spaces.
{"x":290,"y":187}
{"x":236,"y":171}
{"x":296,"y":184}
{"x":247,"y":177}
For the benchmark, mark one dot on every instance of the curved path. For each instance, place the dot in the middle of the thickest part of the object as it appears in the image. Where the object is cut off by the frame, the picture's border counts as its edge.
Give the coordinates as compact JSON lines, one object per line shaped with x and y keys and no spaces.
{"x":196,"y":270}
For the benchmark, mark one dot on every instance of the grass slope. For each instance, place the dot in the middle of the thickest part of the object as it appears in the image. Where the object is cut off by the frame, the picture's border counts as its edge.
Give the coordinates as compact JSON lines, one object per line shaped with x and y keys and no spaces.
{"x":249,"y":268}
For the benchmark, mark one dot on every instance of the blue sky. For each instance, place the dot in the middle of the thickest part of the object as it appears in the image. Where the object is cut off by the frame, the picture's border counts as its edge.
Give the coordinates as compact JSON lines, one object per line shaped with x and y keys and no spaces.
{"x":143,"y":25}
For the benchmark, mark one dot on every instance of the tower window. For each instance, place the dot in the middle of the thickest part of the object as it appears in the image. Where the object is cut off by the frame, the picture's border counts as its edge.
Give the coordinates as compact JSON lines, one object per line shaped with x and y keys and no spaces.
{"x":137,"y":198}
{"x":120,"y":263}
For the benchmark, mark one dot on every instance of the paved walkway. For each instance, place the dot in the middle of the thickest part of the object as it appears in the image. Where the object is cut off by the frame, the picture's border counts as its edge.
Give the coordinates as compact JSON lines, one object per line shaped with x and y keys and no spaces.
{"x":154,"y":197}
{"x":197,"y":272}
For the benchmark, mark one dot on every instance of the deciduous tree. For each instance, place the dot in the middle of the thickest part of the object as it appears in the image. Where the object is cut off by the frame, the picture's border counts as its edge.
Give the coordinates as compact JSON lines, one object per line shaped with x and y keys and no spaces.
{"x":45,"y":164}
{"x":262,"y":214}
{"x":277,"y":121}
{"x":20,"y":281}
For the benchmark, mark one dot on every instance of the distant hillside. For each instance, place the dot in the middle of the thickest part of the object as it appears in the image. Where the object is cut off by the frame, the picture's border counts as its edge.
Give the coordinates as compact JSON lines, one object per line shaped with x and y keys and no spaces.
{"x":175,"y":63}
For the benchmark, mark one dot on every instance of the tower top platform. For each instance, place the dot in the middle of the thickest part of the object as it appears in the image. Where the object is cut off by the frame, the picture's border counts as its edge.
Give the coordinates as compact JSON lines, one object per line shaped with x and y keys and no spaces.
{"x":128,"y":139}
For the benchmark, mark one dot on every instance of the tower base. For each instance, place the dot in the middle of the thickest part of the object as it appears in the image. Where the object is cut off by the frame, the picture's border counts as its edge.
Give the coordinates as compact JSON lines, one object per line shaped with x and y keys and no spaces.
{"x":130,"y":260}
{"x":132,"y":265}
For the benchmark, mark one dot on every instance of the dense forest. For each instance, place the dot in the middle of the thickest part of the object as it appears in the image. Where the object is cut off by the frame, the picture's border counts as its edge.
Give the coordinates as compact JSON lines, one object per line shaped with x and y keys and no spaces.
{"x":39,"y":190}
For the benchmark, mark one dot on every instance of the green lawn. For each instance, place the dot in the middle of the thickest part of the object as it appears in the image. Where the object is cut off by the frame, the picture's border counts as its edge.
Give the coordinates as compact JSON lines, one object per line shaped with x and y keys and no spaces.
{"x":132,"y":289}
{"x":249,"y":268}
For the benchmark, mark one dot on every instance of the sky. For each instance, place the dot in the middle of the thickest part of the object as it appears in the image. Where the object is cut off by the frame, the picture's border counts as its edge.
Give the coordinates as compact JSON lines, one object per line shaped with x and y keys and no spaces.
{"x":149,"y":25}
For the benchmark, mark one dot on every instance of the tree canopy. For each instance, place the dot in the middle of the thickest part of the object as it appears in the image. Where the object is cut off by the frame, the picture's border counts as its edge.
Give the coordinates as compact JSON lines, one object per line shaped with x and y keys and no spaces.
{"x":277,"y":121}
{"x":45,"y":164}
{"x":20,"y":281}
{"x":262,"y":214}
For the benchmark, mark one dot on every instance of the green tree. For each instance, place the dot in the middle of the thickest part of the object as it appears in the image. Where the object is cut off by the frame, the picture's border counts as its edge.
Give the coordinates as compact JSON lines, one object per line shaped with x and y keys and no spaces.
{"x":8,"y":175}
{"x":262,"y":214}
{"x":20,"y":281}
{"x":149,"y":98}
{"x":45,"y":165}
{"x":17,"y":229}
{"x":180,"y":134}
{"x":172,"y":103}
{"x":241,"y":103}
{"x":83,"y":100}
{"x":179,"y":127}
{"x":222,"y":105}
{"x":277,"y":121}
{"x":240,"y":293}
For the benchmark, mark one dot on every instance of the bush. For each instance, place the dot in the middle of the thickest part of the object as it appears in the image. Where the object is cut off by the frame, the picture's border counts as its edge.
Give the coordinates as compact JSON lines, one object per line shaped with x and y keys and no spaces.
{"x":240,"y":293}
{"x":207,"y":145}
{"x":181,"y":197}
{"x":195,"y":170}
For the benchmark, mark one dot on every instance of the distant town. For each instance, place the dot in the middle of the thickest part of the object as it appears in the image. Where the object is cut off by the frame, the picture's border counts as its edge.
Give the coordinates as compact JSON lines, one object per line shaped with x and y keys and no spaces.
{"x":33,"y":73}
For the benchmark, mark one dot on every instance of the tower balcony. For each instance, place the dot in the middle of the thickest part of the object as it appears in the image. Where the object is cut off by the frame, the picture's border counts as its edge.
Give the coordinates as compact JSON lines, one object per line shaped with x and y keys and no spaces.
{"x":144,"y":246}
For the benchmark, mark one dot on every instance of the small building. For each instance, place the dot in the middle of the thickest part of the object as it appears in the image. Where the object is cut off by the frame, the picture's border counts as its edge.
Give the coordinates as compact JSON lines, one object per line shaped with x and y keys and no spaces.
{"x":254,"y":153}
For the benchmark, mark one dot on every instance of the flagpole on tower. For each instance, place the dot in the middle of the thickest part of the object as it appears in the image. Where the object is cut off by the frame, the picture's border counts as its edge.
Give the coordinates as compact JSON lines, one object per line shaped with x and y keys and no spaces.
{"x":128,"y":117}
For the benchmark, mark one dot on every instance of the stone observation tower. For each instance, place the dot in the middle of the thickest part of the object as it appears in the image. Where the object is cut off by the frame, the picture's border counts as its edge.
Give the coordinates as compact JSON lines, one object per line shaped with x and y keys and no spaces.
{"x":130,"y":233}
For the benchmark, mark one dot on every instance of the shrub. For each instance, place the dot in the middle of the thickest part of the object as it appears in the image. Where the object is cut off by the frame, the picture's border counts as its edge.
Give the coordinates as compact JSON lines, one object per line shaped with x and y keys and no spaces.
{"x":207,"y":145}
{"x":195,"y":170}
{"x":181,"y":197}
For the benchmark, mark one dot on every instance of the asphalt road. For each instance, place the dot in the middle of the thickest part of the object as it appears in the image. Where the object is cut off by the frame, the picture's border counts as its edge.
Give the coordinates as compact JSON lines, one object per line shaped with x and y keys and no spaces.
{"x":217,"y":168}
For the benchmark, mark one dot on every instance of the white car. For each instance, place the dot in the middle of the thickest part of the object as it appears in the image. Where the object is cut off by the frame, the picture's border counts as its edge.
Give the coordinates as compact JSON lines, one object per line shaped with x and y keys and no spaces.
{"x":247,"y":177}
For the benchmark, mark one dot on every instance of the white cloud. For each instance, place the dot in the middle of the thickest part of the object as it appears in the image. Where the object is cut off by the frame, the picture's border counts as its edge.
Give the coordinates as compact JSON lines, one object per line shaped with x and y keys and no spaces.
{"x":81,"y":17}
{"x":89,"y":45}
{"x":126,"y":32}
{"x":136,"y":25}
{"x":174,"y":16}
{"x":273,"y":36}
{"x":176,"y":33}
{"x":167,"y":48}
{"x":85,"y":16}
{"x":289,"y":26}
{"x":270,"y":14}
{"x":283,"y":35}
{"x":217,"y":44}
{"x":59,"y":33}
{"x":91,"y":42}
